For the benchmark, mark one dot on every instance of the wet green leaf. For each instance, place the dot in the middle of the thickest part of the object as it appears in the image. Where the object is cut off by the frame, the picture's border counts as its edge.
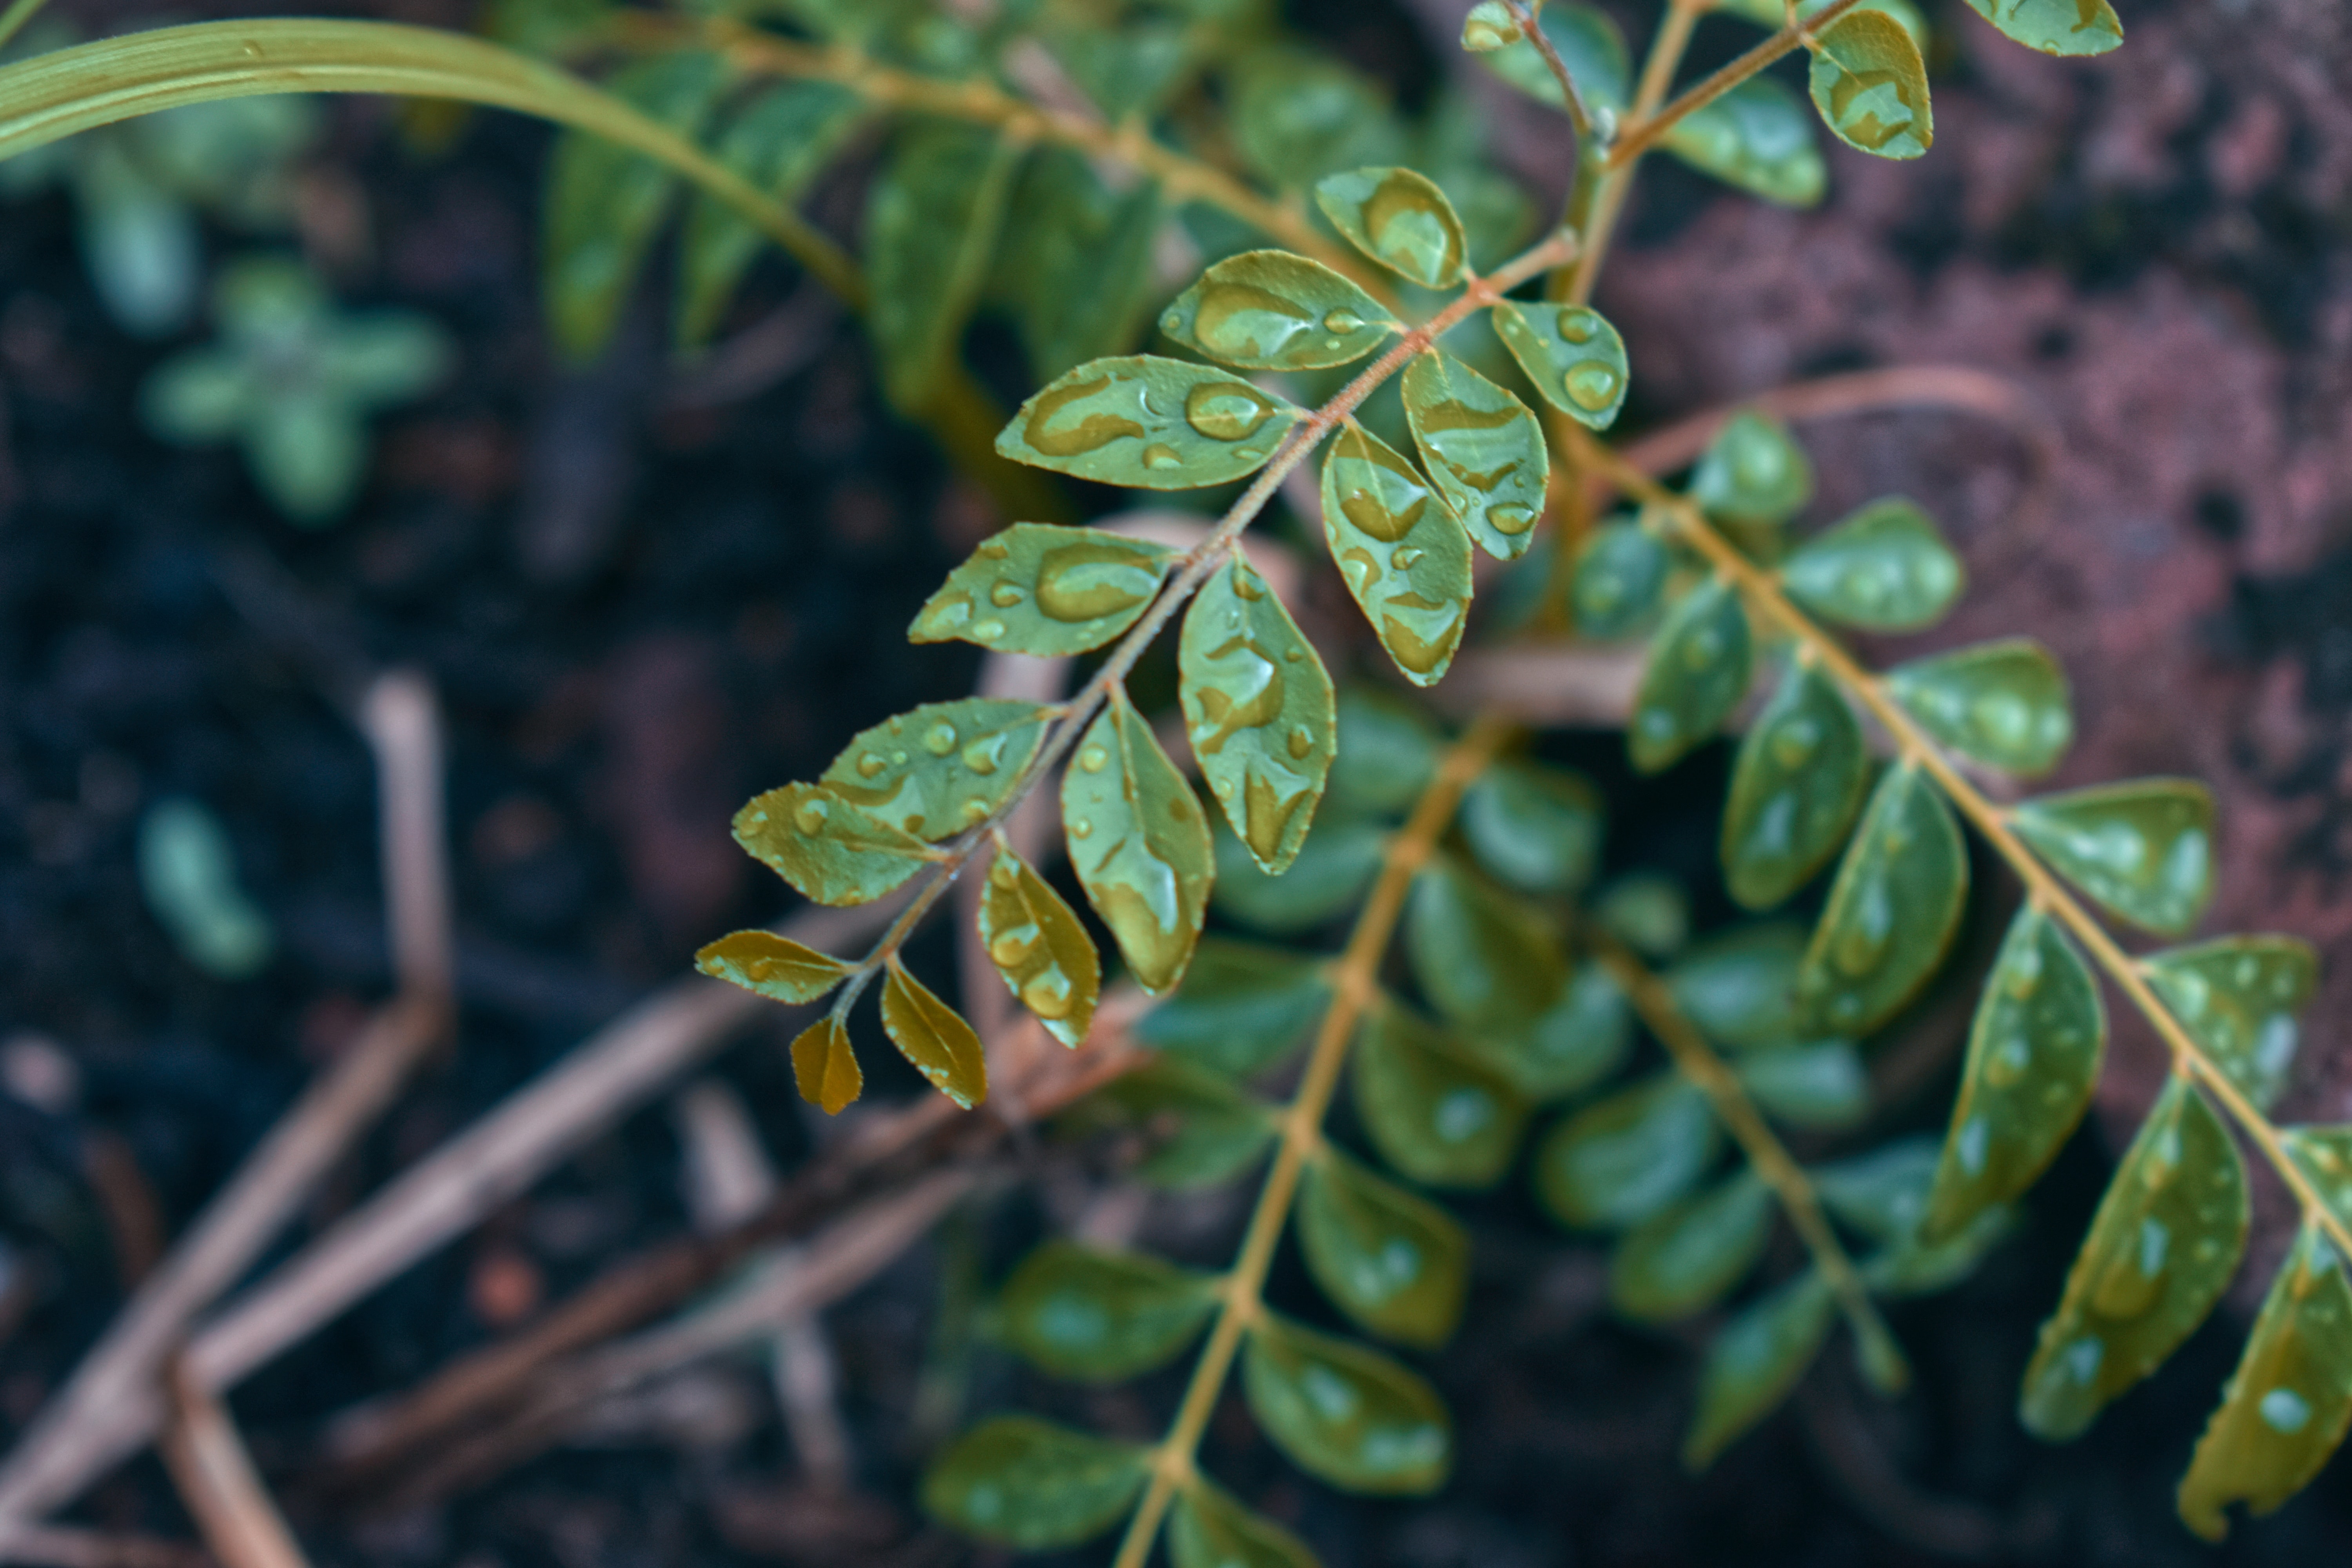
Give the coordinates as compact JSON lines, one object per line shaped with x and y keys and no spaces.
{"x":1890,"y":911}
{"x":2055,"y":26}
{"x":1882,"y":1194}
{"x":1401,"y":219}
{"x":1345,"y":1413}
{"x":1621,"y":577}
{"x":1871,"y":86}
{"x":1753,"y":473}
{"x":1794,"y":790}
{"x":1535,"y":828}
{"x":934,"y":1038}
{"x":1885,"y":569}
{"x":2287,"y":1405}
{"x":1758,"y":137}
{"x":1403,"y":552}
{"x":1034,"y":940}
{"x":1490,"y":26}
{"x":1388,"y":753}
{"x":1620,"y":1160}
{"x":2143,"y":848}
{"x":1697,"y":671}
{"x":776,"y":967}
{"x":2004,"y":704}
{"x":2324,"y":1154}
{"x":1140,"y":843}
{"x":932,"y":216}
{"x":2161,"y":1250}
{"x":1485,"y":960}
{"x":1150,"y":423}
{"x":1818,"y":1085}
{"x":936,"y":770}
{"x":1577,"y":1042}
{"x":1242,"y":1007}
{"x":1573,"y":356}
{"x":1207,"y":1529}
{"x":1690,"y":1257}
{"x":1102,"y":1316}
{"x":1434,"y":1109}
{"x":1335,"y":865}
{"x":1586,"y":41}
{"x":2032,"y":1060}
{"x":1258,"y":711}
{"x":1033,"y":1485}
{"x":778,"y":143}
{"x":825,"y":845}
{"x":1390,"y":1259}
{"x":1755,"y":1363}
{"x":187,"y":870}
{"x":1039,"y":589}
{"x":1741,"y":986}
{"x":1268,"y":310}
{"x":825,"y":1068}
{"x":1075,"y":261}
{"x":1203,"y":1130}
{"x":1918,"y":1267}
{"x":2239,"y":999}
{"x":1648,"y":911}
{"x":1483,"y":447}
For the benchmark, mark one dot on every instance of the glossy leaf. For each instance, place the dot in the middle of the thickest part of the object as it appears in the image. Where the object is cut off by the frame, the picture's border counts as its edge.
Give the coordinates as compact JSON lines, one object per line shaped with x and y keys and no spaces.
{"x":1819,"y":1085}
{"x":1343,"y":1413}
{"x":1434,"y":1109}
{"x":1149,"y":424}
{"x":1758,"y":137}
{"x":1335,"y":865}
{"x":1619,"y":580}
{"x":1207,"y":1529}
{"x":932,"y":216}
{"x":1401,"y":219}
{"x":1575,"y":1043}
{"x":1033,"y":1485}
{"x":934,"y":1038}
{"x":1620,"y":1160}
{"x":1741,"y":987}
{"x":1202,"y":1129}
{"x":1752,"y":473}
{"x":1268,"y":310}
{"x":2144,"y":849}
{"x":1587,"y":43}
{"x":1572,"y":353}
{"x":1036,"y":943}
{"x":1890,"y":911}
{"x":2032,"y":1062}
{"x":1388,"y":753}
{"x":825,"y":846}
{"x":1393,"y":1261}
{"x":1102,"y":1316}
{"x":2055,"y":26}
{"x":1882,"y":1194}
{"x":778,"y":144}
{"x":1259,"y":710}
{"x":1484,"y":959}
{"x":1483,"y":447}
{"x":2239,"y":999}
{"x":1687,"y":1259}
{"x":1697,"y":671}
{"x":1649,"y":911}
{"x":1139,"y":842}
{"x":1242,"y":1007}
{"x":1755,"y":1362}
{"x":776,"y":967}
{"x":2324,"y":1154}
{"x":2004,"y":703}
{"x":1795,"y":789}
{"x":1871,"y":86}
{"x":1885,"y":569}
{"x":1039,"y":589}
{"x":825,"y":1068}
{"x":936,"y":770}
{"x":2161,"y":1251}
{"x":1534,"y":826}
{"x":1400,"y":548}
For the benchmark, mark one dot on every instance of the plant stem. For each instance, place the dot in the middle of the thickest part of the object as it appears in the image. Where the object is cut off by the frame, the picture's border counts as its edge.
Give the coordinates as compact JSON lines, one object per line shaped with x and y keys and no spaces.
{"x":1354,"y":982}
{"x":13,"y":20}
{"x":1603,"y":181}
{"x":1578,"y":115}
{"x":1697,"y":1060}
{"x":1653,"y":125}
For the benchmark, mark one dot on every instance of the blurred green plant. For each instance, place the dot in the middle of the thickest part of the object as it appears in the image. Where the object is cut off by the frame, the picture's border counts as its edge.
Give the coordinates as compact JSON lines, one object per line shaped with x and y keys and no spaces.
{"x":187,"y":869}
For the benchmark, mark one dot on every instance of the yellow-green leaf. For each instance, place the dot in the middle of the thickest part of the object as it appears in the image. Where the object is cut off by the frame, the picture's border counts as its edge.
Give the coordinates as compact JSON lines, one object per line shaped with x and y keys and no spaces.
{"x":1882,"y":1194}
{"x":1242,"y":1007}
{"x":1534,"y":826}
{"x":1390,"y":1259}
{"x":1434,"y":1109}
{"x":1621,"y":576}
{"x":2004,"y":703}
{"x":1753,"y":474}
{"x":1741,"y":986}
{"x":1197,"y":1129}
{"x":825,"y":845}
{"x":2055,"y":26}
{"x":1573,"y":356}
{"x":1687,"y":1259}
{"x":1758,"y":137}
{"x":934,"y":1038}
{"x":1388,"y":753}
{"x":2324,"y":1154}
{"x":2239,"y":999}
{"x":933,"y":216}
{"x":1794,"y":790}
{"x":1871,"y":86}
{"x":1401,"y":219}
{"x":1697,"y":671}
{"x":1334,"y":866}
{"x":1258,"y":711}
{"x":1585,"y":38}
{"x":1034,"y":940}
{"x":1620,"y":1160}
{"x":1140,"y":843}
{"x":1268,"y":310}
{"x":936,"y":770}
{"x":1885,"y":569}
{"x":1150,"y":423}
{"x":1102,"y":1316}
{"x":2161,"y":1250}
{"x":1754,"y":1362}
{"x":1890,"y":911}
{"x":1033,"y":1485}
{"x":1649,"y":911}
{"x":1484,"y":959}
{"x":825,"y":1068}
{"x":1207,"y":1529}
{"x":776,"y":967}
{"x":1402,"y":552}
{"x":1574,"y":1043}
{"x":1343,"y":1412}
{"x":1817,"y":1085}
{"x":1039,"y":589}
{"x":1483,"y":447}
{"x":2145,"y":848}
{"x":778,"y":143}
{"x":1075,"y":264}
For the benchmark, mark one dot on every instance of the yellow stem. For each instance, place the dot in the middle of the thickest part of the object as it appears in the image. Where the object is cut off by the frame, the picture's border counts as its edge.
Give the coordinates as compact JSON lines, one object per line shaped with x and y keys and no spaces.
{"x":1613,"y":175}
{"x":1656,"y":122}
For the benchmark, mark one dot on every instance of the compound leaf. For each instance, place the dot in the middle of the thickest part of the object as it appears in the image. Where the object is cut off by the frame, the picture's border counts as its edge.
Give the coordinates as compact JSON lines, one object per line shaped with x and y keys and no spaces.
{"x":825,"y":1069}
{"x":1037,"y":588}
{"x":778,"y":144}
{"x":1794,"y":790}
{"x":2143,"y":848}
{"x":1033,"y":1485}
{"x":1483,"y":447}
{"x":1572,"y":353}
{"x":1890,"y":911}
{"x":1335,"y":864}
{"x":2055,"y":26}
{"x":1401,"y":219}
{"x":1242,"y":1007}
{"x":1207,"y":1529}
{"x":1034,"y":940}
{"x":1697,"y":671}
{"x":825,"y":846}
{"x":1753,"y":474}
{"x":1258,"y":711}
{"x":1620,"y":578}
{"x":776,"y":967}
{"x":934,"y":1038}
{"x":1390,"y":1259}
{"x":1388,"y":753}
{"x":1403,"y":554}
{"x":1343,"y":1412}
{"x":1620,"y":1160}
{"x":932,"y":216}
{"x":1102,"y":1316}
{"x":1741,"y":987}
{"x":1885,"y":569}
{"x":1754,"y":1362}
{"x":1818,"y":1085}
{"x":934,"y":770}
{"x":1148,"y":423}
{"x":1758,"y":137}
{"x":2238,"y":998}
{"x":2003,"y":703}
{"x":1690,"y":1257}
{"x":1435,"y":1111}
{"x":1484,"y":959}
{"x":1202,"y":1130}
{"x":1871,"y":86}
{"x":1268,"y":310}
{"x":1535,"y":827}
{"x":1574,"y":1043}
{"x":1140,"y":843}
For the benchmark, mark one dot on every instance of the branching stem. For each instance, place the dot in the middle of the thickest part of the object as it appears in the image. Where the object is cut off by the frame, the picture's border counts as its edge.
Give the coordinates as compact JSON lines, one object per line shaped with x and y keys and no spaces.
{"x":1578,"y":115}
{"x":1651,"y":125}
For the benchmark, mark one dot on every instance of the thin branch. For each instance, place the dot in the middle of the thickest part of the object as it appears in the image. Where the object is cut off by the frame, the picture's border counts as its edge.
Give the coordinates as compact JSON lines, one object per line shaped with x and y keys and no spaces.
{"x":1600,"y":184}
{"x":218,"y":1481}
{"x":1949,"y":386}
{"x":402,"y":726}
{"x":13,"y":20}
{"x":64,"y":1546}
{"x":1577,"y":114}
{"x":1647,"y":128}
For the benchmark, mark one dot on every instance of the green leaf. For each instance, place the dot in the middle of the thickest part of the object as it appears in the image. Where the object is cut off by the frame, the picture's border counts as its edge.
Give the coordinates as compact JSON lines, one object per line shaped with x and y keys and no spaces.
{"x":1335,"y":865}
{"x":2055,"y":26}
{"x":1882,"y":1194}
{"x":1741,"y":986}
{"x":825,"y":845}
{"x":1885,"y":569}
{"x":1297,"y":115}
{"x":1203,"y":1129}
{"x":1257,"y":711}
{"x":2143,"y":848}
{"x":1268,"y":310}
{"x":1242,"y":1007}
{"x":1390,"y":1259}
{"x":1697,"y":671}
{"x":1794,"y":790}
{"x":1758,"y":137}
{"x":1620,"y":1160}
{"x":1039,"y":589}
{"x":2287,"y":1405}
{"x":1034,"y":940}
{"x":1403,"y":554}
{"x":1572,"y":354}
{"x":2238,"y":998}
{"x":1918,"y":1267}
{"x":1401,"y":219}
{"x":2004,"y":704}
{"x":1753,"y":473}
{"x":1075,"y":261}
{"x":1485,"y":960}
{"x":936,"y":770}
{"x":1820,"y":1085}
{"x":1574,"y":1043}
{"x":1207,"y":1529}
{"x":2161,"y":1250}
{"x":1648,"y":911}
{"x":1687,"y":1259}
{"x":1483,"y":447}
{"x":1149,"y":424}
{"x":1388,"y":753}
{"x":1343,"y":1413}
{"x":1535,"y":827}
{"x":825,"y":1068}
{"x":1621,"y":576}
{"x":1890,"y":911}
{"x":1755,"y":1363}
{"x":1102,"y":1316}
{"x":1871,"y":86}
{"x":1033,"y":1485}
{"x":1586,"y":41}
{"x":2324,"y":1154}
{"x":932,"y":216}
{"x":1434,"y":1109}
{"x":2032,"y":1060}
{"x":776,"y":967}
{"x":778,"y":144}
{"x":1139,"y":842}
{"x":934,"y":1038}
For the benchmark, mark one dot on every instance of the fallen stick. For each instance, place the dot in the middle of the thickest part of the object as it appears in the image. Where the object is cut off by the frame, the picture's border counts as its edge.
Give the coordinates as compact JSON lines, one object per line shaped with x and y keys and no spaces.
{"x":218,"y":1481}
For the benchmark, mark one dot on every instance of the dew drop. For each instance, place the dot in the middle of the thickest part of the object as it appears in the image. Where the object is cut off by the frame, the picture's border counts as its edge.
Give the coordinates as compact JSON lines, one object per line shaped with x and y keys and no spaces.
{"x":1080,"y":827}
{"x":988,"y":630}
{"x":869,"y":765}
{"x":1794,"y":740}
{"x":1343,"y":322}
{"x":1403,"y":557}
{"x":940,"y":739}
{"x":1225,"y":410}
{"x":995,"y":550}
{"x":2008,"y":1062}
{"x":973,"y":812}
{"x":1576,"y":326}
{"x":1592,"y":386}
{"x":1302,"y":741}
{"x":1092,"y":759}
{"x":1976,"y":1135}
{"x":1004,"y":873}
{"x":982,"y":755}
{"x":1510,"y":519}
{"x":1004,"y":595}
{"x":2284,"y":1410}
{"x":1049,"y":995}
{"x":1162,"y":457}
{"x":1703,"y":647}
{"x":810,"y":815}
{"x":1013,"y":946}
